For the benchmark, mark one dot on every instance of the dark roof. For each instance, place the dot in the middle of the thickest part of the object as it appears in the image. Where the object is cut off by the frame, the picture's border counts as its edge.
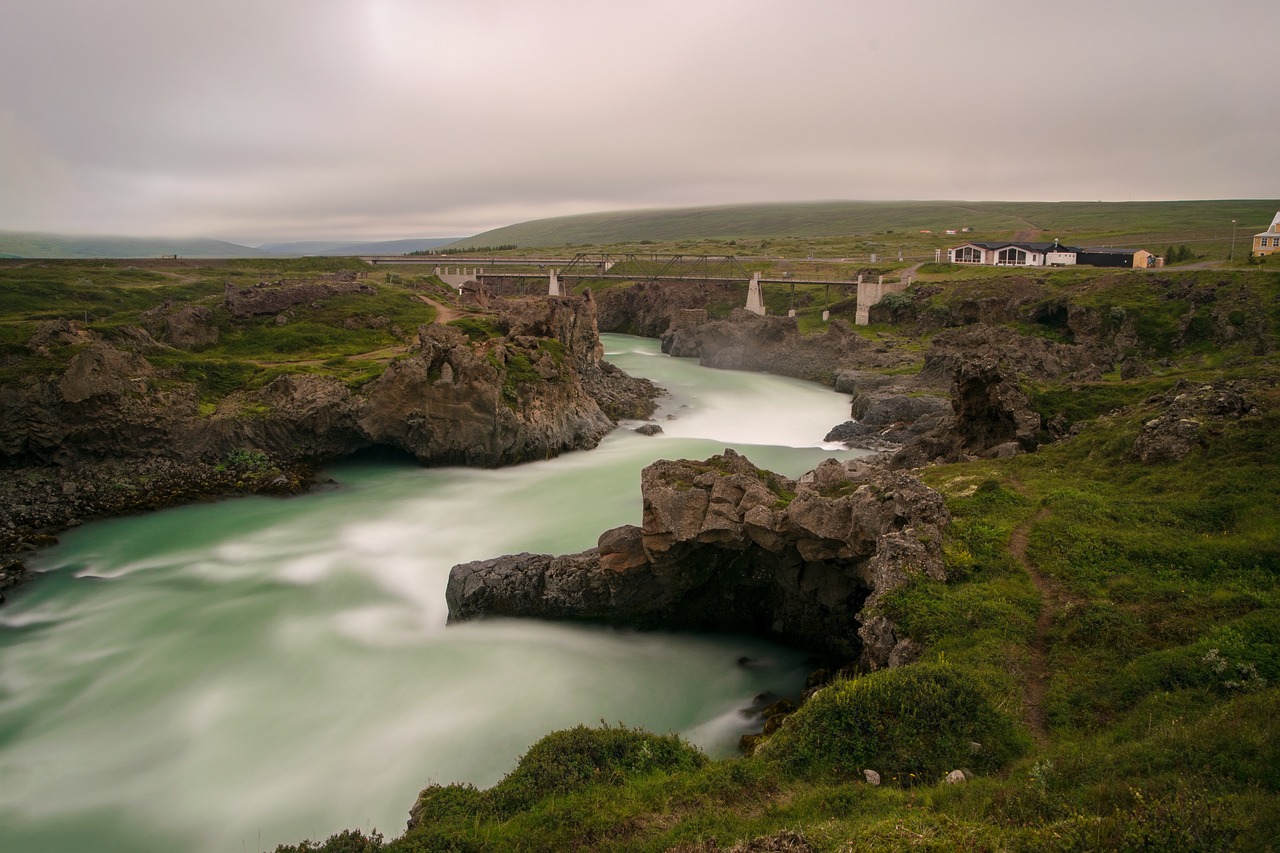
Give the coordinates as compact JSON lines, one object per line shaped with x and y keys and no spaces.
{"x":1030,"y":247}
{"x":1108,"y":250}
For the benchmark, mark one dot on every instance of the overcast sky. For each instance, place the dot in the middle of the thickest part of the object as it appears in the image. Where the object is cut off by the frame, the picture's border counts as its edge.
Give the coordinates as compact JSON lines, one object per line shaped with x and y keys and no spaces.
{"x":257,"y":120}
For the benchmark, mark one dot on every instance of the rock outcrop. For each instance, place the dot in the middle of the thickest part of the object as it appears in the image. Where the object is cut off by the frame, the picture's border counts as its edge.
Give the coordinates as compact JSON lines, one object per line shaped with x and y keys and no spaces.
{"x":538,"y":390}
{"x":528,"y":394}
{"x":888,"y":410}
{"x":273,"y":297}
{"x":726,"y":546}
{"x":1030,"y":356}
{"x":746,"y":341}
{"x":991,"y":418}
{"x":1190,"y":414}
{"x":651,"y":308}
{"x":181,"y":325}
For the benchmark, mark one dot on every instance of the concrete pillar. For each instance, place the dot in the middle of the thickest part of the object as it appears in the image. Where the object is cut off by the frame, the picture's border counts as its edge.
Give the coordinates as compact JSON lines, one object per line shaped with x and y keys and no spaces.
{"x":755,"y":301}
{"x":826,"y":315}
{"x":899,"y":254}
{"x":791,"y":312}
{"x":553,"y":287}
{"x":873,"y":257}
{"x":937,"y":256}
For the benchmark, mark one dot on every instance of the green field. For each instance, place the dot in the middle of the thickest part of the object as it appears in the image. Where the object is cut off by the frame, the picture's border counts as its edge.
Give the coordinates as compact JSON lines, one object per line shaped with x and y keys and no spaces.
{"x":843,"y":228}
{"x":343,"y":336}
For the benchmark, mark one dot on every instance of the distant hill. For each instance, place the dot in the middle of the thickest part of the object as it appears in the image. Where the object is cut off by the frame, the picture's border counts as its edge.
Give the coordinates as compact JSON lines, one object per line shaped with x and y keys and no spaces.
{"x":1092,"y":220}
{"x":347,"y":249}
{"x":32,"y":245}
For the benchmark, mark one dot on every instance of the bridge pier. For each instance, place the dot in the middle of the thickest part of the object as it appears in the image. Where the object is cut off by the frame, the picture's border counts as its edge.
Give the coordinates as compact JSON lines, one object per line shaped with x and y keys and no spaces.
{"x":870,"y":293}
{"x":755,"y":301}
{"x":553,"y":286}
{"x":458,"y":277}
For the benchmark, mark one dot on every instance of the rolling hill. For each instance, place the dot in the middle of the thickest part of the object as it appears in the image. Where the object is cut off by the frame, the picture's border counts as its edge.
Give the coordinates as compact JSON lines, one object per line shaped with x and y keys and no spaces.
{"x":33,"y":245}
{"x":1092,"y":221}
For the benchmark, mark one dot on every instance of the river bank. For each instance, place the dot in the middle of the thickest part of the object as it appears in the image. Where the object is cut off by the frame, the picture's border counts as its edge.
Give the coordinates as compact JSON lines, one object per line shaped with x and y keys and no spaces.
{"x":185,"y":678}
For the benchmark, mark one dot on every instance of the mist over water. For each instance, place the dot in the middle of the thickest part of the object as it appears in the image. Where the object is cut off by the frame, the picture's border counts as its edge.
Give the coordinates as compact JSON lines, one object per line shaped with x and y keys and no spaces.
{"x":229,"y":676}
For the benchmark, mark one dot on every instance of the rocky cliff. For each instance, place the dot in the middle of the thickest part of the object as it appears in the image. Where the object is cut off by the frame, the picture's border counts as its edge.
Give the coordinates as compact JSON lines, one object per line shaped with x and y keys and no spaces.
{"x":726,"y":546}
{"x":746,"y":341}
{"x":524,"y":394}
{"x":537,"y":387}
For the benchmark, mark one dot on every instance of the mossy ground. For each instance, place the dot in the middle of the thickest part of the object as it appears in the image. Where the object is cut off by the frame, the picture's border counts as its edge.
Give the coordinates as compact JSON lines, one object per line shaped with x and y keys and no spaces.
{"x":351,"y":336}
{"x":1110,"y":632}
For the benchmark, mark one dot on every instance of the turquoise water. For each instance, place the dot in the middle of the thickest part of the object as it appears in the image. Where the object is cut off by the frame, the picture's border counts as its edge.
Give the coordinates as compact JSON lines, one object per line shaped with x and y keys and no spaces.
{"x":229,"y":676}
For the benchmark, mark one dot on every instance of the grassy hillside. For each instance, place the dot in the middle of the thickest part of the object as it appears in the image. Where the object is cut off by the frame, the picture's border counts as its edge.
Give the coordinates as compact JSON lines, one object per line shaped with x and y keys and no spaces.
{"x":1086,"y":222}
{"x":351,"y":336}
{"x":31,"y":245}
{"x":345,"y":249}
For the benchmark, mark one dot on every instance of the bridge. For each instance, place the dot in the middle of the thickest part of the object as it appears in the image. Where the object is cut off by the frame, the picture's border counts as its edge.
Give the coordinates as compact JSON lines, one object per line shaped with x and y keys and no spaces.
{"x":640,"y":267}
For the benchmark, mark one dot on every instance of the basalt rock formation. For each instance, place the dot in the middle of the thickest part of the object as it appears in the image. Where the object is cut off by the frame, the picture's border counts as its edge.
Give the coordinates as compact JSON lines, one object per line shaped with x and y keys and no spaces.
{"x":991,"y":418}
{"x":651,"y":308}
{"x":181,"y":325}
{"x":1030,"y":356}
{"x":272,"y":297}
{"x":889,"y":410}
{"x":520,"y":396}
{"x":746,"y":341}
{"x":1189,"y":415}
{"x":726,"y":546}
{"x":537,"y":390}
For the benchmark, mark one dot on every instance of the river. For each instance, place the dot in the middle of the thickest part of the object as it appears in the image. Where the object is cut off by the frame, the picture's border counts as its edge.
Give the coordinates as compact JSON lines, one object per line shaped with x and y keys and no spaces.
{"x":228,"y":676}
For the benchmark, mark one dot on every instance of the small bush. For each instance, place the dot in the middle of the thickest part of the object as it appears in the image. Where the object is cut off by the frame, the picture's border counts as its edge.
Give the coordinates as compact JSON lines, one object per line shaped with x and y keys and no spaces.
{"x":568,"y":760}
{"x":477,"y":328}
{"x":913,"y":725}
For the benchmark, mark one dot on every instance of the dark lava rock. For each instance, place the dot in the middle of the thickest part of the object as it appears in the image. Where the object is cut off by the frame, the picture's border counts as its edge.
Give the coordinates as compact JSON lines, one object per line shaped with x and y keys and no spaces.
{"x":1190,"y":414}
{"x":726,"y":546}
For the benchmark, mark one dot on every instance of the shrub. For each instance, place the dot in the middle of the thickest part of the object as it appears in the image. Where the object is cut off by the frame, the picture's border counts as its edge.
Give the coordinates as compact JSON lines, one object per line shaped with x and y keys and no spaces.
{"x":477,"y":328}
{"x":912,"y":725}
{"x":568,"y":760}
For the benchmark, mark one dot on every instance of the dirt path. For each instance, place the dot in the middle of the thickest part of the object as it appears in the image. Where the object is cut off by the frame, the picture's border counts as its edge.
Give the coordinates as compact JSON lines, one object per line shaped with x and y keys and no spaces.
{"x":444,"y":313}
{"x":1052,"y":598}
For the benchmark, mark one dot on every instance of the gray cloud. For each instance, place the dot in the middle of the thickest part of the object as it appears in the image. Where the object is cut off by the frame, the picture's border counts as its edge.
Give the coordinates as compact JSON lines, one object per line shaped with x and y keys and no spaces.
{"x":387,"y":118}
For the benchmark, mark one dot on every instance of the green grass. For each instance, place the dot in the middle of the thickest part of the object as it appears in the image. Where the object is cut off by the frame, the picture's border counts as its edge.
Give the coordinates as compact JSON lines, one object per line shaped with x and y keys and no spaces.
{"x":849,"y":228}
{"x":108,"y":297}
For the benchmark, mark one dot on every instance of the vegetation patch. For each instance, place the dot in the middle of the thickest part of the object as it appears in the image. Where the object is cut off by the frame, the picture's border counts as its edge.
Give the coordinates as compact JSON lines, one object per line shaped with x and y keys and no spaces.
{"x":913,"y":725}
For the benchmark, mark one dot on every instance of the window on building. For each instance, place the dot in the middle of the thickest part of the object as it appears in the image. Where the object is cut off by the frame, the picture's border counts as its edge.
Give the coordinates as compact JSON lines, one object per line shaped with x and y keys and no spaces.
{"x":1012,"y":257}
{"x":968,"y":255}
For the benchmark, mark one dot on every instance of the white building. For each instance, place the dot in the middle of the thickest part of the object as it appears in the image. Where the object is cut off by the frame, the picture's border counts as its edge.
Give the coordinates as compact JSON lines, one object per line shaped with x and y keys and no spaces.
{"x":1268,"y":242}
{"x":1013,"y":254}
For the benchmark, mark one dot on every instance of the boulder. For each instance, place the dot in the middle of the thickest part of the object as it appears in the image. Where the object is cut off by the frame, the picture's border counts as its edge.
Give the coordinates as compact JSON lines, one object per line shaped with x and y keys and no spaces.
{"x":1188,"y":414}
{"x":991,"y":417}
{"x":727,"y":546}
{"x":181,"y":325}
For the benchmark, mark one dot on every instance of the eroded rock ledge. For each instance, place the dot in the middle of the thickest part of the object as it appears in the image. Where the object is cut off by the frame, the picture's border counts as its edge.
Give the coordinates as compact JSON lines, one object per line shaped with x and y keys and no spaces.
{"x":727,"y":546}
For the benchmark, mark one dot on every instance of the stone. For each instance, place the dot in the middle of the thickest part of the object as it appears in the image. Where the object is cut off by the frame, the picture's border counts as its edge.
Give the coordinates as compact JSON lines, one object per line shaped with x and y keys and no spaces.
{"x":724,"y":546}
{"x":1186,"y":415}
{"x":622,"y":549}
{"x":649,"y":429}
{"x":955,"y":777}
{"x":871,"y":776}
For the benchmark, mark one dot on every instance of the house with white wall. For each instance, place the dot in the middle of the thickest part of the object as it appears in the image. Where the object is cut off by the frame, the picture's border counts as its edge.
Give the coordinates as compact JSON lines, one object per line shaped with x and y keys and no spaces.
{"x":1013,"y":254}
{"x":1268,"y":242}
